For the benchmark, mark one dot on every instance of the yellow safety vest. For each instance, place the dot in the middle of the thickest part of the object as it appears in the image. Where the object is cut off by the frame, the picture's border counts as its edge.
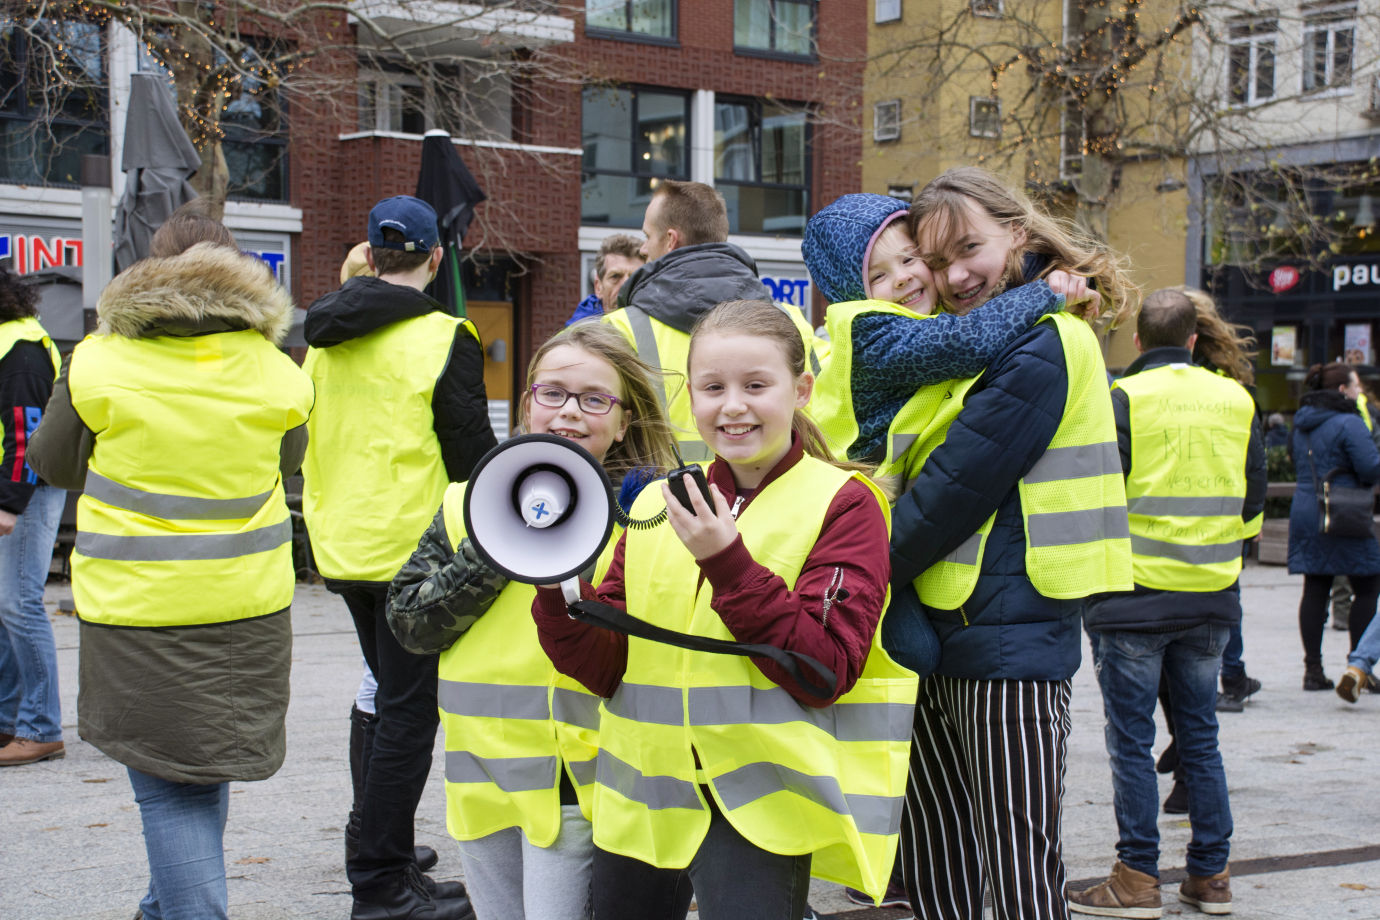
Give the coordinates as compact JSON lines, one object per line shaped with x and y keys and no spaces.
{"x":182,"y":521}
{"x":511,"y":719}
{"x":28,"y":329}
{"x":373,"y":471}
{"x":1365,"y":412}
{"x":662,"y":346}
{"x":790,"y":778}
{"x":1073,"y":500}
{"x":1190,"y":430}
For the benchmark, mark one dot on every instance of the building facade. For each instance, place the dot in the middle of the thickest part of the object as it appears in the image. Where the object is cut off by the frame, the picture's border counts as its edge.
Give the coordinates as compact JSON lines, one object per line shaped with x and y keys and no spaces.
{"x":589,"y":106}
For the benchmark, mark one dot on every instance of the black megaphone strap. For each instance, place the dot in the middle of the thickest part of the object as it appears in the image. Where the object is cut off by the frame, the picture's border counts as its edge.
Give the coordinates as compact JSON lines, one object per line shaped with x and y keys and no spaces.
{"x":611,"y":618}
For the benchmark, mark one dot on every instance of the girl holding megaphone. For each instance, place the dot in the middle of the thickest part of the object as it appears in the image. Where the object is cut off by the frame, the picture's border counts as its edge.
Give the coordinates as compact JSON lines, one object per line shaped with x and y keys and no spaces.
{"x":732,"y":775}
{"x":520,"y":737}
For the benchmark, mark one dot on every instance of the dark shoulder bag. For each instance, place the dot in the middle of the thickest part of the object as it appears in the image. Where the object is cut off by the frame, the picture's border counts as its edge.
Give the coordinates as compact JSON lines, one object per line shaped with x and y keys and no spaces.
{"x":1343,"y":511}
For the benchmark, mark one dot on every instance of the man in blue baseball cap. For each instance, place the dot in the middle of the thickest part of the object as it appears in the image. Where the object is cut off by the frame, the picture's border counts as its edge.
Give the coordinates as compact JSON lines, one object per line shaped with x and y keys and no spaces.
{"x":400,"y":413}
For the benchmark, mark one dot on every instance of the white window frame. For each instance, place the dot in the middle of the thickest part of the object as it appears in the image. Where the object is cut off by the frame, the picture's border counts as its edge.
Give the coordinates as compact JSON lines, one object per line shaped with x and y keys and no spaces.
{"x":903,"y":192}
{"x":1331,"y":20}
{"x":986,"y":9}
{"x":974,"y":102}
{"x":387,"y":82}
{"x":887,"y":11}
{"x":1253,"y":35}
{"x":886,"y":120}
{"x":1071,"y":166}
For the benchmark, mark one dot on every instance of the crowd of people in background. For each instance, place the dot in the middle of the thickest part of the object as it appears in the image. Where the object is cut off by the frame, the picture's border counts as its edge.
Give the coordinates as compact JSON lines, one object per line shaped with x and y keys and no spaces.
{"x":916,"y":516}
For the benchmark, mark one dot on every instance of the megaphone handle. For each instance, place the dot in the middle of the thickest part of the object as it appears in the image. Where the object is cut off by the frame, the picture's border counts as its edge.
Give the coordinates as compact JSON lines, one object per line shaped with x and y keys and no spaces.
{"x":570,"y":590}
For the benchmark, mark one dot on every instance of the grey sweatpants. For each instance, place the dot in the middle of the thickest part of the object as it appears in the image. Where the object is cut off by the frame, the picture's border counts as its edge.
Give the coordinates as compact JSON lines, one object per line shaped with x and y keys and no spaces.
{"x":510,"y":879}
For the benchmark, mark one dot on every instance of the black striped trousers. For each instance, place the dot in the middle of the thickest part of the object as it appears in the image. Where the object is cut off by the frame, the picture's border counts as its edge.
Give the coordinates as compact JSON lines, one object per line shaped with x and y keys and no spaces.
{"x":984,"y":799}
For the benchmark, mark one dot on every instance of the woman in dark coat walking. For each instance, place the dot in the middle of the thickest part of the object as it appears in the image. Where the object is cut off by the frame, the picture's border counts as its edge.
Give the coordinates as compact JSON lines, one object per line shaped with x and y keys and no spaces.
{"x":1329,"y":434}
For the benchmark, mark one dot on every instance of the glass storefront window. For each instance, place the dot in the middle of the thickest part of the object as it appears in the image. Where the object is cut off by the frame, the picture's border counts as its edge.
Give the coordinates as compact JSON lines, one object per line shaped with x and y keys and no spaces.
{"x":761,"y":165}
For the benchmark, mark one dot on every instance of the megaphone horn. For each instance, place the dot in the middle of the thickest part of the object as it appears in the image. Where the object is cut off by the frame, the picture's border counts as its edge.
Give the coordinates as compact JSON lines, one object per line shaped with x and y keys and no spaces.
{"x":539,"y":509}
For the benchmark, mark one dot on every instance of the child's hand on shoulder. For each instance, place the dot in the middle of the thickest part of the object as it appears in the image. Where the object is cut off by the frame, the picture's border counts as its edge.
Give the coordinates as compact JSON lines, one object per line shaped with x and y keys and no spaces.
{"x":1079,"y":297}
{"x":707,"y":531}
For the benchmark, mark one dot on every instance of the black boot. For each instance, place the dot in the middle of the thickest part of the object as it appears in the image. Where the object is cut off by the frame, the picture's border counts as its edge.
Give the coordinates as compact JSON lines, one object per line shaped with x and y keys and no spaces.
{"x":1177,"y":801}
{"x":409,"y":899}
{"x":1313,"y":676}
{"x":361,"y":746}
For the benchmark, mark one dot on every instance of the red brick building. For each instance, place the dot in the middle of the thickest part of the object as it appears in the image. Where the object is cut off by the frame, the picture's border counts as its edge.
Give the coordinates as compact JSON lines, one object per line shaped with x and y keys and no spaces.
{"x":758,"y":97}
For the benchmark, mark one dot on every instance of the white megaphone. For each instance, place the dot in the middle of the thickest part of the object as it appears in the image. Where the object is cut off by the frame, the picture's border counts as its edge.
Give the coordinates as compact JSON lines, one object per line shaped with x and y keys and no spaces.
{"x":539,"y":509}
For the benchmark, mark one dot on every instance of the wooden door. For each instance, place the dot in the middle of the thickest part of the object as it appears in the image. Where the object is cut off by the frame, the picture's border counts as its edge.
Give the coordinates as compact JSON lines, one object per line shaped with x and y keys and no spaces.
{"x":494,"y":320}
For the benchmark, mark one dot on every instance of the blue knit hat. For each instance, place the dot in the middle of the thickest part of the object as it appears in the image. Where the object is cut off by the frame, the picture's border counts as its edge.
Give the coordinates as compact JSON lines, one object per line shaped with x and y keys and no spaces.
{"x":839,"y":239}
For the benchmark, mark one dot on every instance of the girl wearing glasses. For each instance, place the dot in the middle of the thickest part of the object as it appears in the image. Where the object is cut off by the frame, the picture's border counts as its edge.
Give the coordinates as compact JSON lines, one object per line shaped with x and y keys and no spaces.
{"x":520,"y":737}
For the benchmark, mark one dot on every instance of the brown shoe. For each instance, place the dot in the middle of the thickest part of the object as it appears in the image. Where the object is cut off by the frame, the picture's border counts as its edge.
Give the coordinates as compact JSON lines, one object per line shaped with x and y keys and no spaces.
{"x":1209,"y":893}
{"x":1349,"y":687}
{"x":21,"y":751}
{"x":1125,"y":893}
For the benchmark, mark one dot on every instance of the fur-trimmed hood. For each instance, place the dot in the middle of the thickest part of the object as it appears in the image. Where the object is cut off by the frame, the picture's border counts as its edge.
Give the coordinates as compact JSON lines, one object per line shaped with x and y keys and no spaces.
{"x":208,"y":288}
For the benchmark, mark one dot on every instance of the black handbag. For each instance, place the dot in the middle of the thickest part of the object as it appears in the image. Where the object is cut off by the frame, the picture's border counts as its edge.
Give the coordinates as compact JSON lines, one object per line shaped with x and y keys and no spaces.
{"x":1343,"y":511}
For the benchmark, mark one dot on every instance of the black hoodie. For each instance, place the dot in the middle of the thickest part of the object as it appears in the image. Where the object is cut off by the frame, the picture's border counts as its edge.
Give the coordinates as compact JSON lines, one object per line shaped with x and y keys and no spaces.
{"x":459,"y":406}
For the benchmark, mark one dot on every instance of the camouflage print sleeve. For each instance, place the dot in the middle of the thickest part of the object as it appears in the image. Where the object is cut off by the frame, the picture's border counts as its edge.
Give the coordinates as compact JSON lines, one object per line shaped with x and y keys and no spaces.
{"x":439,"y":594}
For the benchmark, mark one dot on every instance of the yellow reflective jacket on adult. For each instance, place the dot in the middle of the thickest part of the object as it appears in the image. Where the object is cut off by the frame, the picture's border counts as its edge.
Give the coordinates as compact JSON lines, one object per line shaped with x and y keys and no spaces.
{"x":374,"y":473}
{"x":183,"y":521}
{"x":512,"y":721}
{"x":790,"y":778}
{"x":1190,"y":430}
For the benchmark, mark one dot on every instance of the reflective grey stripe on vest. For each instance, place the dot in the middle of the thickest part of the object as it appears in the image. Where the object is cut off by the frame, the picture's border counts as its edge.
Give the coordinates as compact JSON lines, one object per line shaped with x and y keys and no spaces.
{"x":1057,"y":463}
{"x":511,"y":774}
{"x":873,"y":814}
{"x":1199,"y":554}
{"x":1186,"y":506}
{"x":1062,"y":528}
{"x":655,"y":792}
{"x":644,"y":340}
{"x":172,"y":507}
{"x":575,"y":708}
{"x":900,"y":443}
{"x":493,"y":701}
{"x":179,"y":547}
{"x":691,"y":448}
{"x":582,"y":770}
{"x":743,"y":705}
{"x":967,"y":551}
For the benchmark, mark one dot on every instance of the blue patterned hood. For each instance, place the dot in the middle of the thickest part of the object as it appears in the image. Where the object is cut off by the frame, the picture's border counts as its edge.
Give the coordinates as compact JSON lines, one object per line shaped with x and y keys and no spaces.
{"x":839,"y":239}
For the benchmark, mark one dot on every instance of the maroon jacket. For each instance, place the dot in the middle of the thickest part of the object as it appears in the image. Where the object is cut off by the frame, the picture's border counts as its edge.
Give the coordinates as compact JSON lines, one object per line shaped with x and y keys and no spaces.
{"x":830,"y":616}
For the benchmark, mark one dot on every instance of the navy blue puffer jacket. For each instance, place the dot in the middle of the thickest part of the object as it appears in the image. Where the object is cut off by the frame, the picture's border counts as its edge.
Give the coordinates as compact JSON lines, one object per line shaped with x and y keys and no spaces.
{"x":1006,"y":630}
{"x":1328,"y":423}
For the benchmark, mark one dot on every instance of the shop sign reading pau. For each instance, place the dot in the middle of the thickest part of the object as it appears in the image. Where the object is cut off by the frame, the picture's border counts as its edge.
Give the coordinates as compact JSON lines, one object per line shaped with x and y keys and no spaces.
{"x":1345,"y":275}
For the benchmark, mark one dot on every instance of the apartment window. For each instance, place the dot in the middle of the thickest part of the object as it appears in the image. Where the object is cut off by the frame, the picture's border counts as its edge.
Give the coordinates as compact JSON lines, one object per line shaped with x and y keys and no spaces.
{"x":783,"y":26}
{"x":392,"y":102}
{"x":988,"y":8}
{"x":53,"y":92}
{"x":650,"y":18}
{"x":886,"y":120}
{"x":887,"y":11}
{"x":1251,"y":61}
{"x":984,"y":116}
{"x":1328,"y":39}
{"x":632,"y":138}
{"x":253,"y":124}
{"x":1073,"y":141}
{"x":903,"y":192}
{"x":760,"y":164}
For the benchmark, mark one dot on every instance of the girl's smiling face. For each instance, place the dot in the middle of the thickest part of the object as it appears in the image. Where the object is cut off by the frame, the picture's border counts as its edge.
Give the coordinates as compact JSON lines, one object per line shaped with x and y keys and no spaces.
{"x":744,"y":397}
{"x":577,"y":371}
{"x":971,"y":268}
{"x":895,"y":273}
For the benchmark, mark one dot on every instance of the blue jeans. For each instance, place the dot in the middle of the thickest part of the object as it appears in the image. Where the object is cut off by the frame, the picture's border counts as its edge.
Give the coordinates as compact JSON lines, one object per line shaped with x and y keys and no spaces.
{"x":184,"y":830}
{"x":1128,"y":670}
{"x":1367,"y":650}
{"x":29,"y":703}
{"x":1233,"y":668}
